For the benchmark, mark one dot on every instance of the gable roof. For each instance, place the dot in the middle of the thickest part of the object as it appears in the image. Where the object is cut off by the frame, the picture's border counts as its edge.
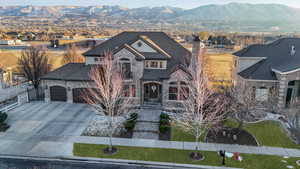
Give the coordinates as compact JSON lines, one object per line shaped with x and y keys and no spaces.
{"x":276,"y":56}
{"x":159,"y":40}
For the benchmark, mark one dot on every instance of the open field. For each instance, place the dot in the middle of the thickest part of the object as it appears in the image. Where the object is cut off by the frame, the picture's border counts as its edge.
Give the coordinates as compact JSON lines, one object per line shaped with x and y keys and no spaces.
{"x":219,"y":67}
{"x":9,"y":58}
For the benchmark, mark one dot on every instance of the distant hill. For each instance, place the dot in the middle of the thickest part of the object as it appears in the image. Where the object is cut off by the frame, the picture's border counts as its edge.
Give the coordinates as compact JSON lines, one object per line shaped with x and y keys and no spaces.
{"x":247,"y":16}
{"x":242,"y":12}
{"x":231,"y":11}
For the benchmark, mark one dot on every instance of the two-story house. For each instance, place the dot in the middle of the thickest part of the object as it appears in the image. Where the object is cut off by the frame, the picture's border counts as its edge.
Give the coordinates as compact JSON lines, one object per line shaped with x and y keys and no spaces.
{"x":152,"y":63}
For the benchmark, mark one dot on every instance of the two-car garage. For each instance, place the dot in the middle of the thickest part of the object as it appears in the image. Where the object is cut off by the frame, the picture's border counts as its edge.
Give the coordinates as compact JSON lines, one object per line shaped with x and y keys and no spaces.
{"x":59,"y":93}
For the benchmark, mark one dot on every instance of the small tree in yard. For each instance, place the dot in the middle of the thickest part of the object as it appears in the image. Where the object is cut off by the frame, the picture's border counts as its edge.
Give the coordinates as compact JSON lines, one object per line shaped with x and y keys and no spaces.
{"x":243,"y":103}
{"x":72,"y":55}
{"x":203,"y":108}
{"x":105,"y":95}
{"x":292,"y":114}
{"x":33,"y":64}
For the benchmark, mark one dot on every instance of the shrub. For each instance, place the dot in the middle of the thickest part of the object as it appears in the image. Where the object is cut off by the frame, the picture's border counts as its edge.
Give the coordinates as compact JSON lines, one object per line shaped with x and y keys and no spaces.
{"x":164,"y":122}
{"x":164,"y":116}
{"x":164,"y":128}
{"x":3,"y":117}
{"x":129,"y":125}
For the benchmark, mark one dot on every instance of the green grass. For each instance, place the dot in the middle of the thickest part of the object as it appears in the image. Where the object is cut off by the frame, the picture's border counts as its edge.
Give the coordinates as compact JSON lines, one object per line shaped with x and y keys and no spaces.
{"x":267,"y":133}
{"x":181,"y":156}
{"x":177,"y":134}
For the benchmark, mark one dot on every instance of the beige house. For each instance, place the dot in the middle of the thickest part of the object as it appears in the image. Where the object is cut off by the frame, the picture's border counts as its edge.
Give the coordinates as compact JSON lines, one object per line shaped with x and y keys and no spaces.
{"x":152,"y":64}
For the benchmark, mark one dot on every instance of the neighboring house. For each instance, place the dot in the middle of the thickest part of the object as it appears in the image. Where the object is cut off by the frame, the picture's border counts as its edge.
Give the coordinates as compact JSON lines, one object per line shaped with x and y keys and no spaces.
{"x":272,"y":66}
{"x":152,"y":63}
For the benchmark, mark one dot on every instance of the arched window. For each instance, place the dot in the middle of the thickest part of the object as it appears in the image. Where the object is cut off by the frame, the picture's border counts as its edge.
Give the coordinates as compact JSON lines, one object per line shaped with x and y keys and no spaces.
{"x":178,"y":90}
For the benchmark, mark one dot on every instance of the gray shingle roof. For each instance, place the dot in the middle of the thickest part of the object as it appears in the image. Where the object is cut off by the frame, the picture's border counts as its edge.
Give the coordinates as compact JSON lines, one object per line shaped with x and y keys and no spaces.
{"x":70,"y":72}
{"x":154,"y":56}
{"x":167,"y":49}
{"x":155,"y":74}
{"x":278,"y":56}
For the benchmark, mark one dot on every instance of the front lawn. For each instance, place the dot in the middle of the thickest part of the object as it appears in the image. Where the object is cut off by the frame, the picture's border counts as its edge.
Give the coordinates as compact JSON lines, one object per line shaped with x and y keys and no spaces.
{"x":181,"y":156}
{"x":267,"y":133}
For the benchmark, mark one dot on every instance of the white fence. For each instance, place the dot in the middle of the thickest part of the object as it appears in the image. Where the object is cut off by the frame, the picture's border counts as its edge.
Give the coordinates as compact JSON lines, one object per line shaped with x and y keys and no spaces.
{"x":9,"y":107}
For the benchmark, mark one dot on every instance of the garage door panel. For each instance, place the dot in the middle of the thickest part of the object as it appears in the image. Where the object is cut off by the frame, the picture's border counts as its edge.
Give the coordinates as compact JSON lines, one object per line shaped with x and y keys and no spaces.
{"x":78,"y":95}
{"x":58,"y":93}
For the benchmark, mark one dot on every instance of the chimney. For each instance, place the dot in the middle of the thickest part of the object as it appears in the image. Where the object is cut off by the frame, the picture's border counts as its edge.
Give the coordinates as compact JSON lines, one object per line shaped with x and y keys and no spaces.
{"x":197,"y":50}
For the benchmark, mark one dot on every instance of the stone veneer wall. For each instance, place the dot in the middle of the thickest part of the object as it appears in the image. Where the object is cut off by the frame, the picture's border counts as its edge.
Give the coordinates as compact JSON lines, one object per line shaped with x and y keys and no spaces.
{"x":284,"y":79}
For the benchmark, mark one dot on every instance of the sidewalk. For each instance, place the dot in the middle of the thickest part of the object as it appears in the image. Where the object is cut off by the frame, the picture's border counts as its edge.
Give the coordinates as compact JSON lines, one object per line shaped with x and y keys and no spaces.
{"x":263,"y":150}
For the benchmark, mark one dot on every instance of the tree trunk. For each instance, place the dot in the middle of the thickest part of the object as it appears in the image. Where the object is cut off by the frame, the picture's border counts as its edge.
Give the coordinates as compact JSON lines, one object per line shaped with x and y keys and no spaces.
{"x":36,"y":92}
{"x":110,"y":146}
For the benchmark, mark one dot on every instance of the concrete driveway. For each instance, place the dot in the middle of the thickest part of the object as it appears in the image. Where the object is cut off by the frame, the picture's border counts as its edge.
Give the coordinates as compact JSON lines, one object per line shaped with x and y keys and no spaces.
{"x":36,"y":125}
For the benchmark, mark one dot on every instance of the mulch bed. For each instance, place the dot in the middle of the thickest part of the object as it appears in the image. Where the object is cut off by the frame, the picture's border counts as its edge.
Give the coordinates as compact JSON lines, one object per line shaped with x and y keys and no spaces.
{"x":243,"y":137}
{"x":3,"y":127}
{"x":165,"y":135}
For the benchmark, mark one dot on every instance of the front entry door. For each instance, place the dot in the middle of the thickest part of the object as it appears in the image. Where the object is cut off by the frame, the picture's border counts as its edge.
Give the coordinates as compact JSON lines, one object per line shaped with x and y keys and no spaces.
{"x":152,"y":92}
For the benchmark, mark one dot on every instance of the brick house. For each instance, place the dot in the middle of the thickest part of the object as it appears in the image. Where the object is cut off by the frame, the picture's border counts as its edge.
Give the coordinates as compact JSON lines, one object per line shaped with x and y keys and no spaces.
{"x":271,"y":66}
{"x":152,"y":63}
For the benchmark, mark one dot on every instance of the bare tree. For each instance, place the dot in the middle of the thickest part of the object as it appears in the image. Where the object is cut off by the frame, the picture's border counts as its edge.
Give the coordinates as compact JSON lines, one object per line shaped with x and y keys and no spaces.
{"x":72,"y":55}
{"x":292,"y":114}
{"x":33,"y":64}
{"x":243,"y":103}
{"x":106,"y":95}
{"x":203,"y":109}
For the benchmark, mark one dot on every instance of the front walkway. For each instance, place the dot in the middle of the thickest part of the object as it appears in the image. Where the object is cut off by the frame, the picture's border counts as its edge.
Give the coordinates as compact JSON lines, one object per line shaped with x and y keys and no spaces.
{"x":147,"y":126}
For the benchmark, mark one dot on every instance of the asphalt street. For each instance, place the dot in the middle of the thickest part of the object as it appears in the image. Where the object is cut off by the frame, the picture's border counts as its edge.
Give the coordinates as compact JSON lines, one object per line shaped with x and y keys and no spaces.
{"x":39,"y":163}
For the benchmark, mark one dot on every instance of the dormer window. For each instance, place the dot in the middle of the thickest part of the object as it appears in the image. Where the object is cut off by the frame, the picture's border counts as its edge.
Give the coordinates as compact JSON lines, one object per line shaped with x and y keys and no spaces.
{"x":140,"y":44}
{"x":293,"y":50}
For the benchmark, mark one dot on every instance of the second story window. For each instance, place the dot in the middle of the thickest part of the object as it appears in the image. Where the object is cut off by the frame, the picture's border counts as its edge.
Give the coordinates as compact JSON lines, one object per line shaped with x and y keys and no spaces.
{"x":152,"y":64}
{"x":125,"y":67}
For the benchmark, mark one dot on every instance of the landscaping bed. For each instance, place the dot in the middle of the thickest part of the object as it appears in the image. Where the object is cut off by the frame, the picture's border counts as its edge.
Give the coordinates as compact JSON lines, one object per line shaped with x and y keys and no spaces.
{"x":231,"y":136}
{"x":98,"y":127}
{"x":182,"y":156}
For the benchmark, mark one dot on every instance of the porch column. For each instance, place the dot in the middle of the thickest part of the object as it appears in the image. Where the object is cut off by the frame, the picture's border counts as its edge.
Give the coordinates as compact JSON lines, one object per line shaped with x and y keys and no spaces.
{"x":165,"y":92}
{"x":69,"y":95}
{"x":47,"y":94}
{"x":283,"y":85}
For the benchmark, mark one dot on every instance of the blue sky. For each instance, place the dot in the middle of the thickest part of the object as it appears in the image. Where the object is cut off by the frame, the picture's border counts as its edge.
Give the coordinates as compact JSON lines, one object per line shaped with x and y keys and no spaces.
{"x":140,"y":3}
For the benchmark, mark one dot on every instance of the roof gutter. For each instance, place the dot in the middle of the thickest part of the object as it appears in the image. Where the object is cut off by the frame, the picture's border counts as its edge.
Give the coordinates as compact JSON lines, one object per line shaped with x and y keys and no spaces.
{"x":284,"y":73}
{"x":258,"y":80}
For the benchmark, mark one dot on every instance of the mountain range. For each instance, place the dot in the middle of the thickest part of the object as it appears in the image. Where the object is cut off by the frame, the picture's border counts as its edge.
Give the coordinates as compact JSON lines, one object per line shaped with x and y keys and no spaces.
{"x":251,"y":14}
{"x":231,"y":11}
